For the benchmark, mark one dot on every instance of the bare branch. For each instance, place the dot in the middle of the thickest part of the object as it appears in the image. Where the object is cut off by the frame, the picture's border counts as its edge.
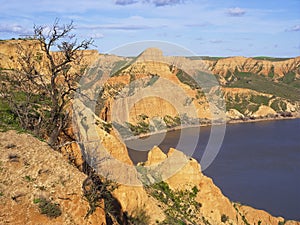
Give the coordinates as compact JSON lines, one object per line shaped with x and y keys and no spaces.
{"x":40,"y":89}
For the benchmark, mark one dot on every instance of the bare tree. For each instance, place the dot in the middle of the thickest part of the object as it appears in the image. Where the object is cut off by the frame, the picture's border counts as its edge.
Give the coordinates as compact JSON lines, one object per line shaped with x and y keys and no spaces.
{"x":40,"y":88}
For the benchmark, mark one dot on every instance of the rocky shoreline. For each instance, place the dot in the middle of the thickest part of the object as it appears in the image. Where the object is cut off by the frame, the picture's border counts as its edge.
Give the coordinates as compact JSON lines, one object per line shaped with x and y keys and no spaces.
{"x":230,"y":121}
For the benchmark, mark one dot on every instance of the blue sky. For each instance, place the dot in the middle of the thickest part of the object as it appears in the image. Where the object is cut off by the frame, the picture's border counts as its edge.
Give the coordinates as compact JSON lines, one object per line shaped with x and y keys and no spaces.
{"x":207,"y":27}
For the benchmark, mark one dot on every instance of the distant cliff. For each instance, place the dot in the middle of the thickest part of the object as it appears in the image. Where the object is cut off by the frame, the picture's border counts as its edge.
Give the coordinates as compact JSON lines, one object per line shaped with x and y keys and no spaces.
{"x":265,"y":67}
{"x":249,"y":88}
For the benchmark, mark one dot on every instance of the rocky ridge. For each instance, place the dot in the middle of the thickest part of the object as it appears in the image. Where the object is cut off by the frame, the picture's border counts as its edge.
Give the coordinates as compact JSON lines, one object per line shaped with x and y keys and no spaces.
{"x":149,"y":84}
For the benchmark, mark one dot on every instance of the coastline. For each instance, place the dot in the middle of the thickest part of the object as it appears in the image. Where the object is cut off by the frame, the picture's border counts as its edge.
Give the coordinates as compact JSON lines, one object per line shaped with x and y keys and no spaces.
{"x":236,"y":121}
{"x":296,"y":116}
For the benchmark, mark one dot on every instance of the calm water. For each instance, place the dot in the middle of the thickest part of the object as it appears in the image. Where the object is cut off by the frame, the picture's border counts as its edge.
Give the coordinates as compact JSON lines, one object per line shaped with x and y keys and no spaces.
{"x":258,"y":163}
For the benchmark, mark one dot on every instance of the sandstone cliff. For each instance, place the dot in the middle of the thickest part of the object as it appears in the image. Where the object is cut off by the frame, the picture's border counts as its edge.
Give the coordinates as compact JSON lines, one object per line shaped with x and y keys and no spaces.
{"x":156,"y":89}
{"x":214,"y":207}
{"x":264,"y":67}
{"x":31,"y":171}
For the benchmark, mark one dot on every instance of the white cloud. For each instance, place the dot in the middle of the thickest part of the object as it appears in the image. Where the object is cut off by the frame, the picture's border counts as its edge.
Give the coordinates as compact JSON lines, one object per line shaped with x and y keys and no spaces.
{"x":15,"y":29}
{"x":125,"y":2}
{"x":96,"y":35}
{"x":167,"y":2}
{"x":295,"y":28}
{"x":216,"y":41}
{"x":116,"y":27}
{"x":236,"y":11}
{"x":157,"y":3}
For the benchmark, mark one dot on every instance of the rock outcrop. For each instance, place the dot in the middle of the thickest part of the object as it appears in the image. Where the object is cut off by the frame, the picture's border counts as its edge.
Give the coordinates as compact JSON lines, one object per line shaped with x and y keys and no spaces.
{"x":214,"y":205}
{"x":262,"y":67}
{"x":263,"y":111}
{"x":233,"y":114}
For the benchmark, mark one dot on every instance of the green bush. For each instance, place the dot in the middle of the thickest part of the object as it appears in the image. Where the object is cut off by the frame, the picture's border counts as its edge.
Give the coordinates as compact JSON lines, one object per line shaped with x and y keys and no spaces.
{"x":48,"y":208}
{"x":289,"y":77}
{"x":139,"y":217}
{"x":178,"y":205}
{"x":185,"y":78}
{"x":271,"y":73}
{"x":266,"y":85}
{"x":259,"y":99}
{"x":279,"y":105}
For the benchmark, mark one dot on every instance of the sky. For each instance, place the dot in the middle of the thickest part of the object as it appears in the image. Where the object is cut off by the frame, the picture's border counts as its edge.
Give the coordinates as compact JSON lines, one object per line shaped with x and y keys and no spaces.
{"x":205,"y":27}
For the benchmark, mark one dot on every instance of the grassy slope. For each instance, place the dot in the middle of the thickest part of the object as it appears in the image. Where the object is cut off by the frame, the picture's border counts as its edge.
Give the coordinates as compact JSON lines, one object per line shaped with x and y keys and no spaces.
{"x":266,"y":85}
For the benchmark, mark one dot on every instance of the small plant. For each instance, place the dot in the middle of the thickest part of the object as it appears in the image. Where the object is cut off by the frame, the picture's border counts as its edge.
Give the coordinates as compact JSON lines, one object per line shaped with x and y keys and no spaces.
{"x":205,"y":221}
{"x":29,"y":178}
{"x":1,"y":194}
{"x":224,"y":218}
{"x":97,"y":189}
{"x":10,"y":146}
{"x":195,"y":191}
{"x":42,"y":188}
{"x":36,"y":200}
{"x":13,"y":158}
{"x":281,"y":222}
{"x":48,"y":208}
{"x":180,"y":206}
{"x":139,"y":217}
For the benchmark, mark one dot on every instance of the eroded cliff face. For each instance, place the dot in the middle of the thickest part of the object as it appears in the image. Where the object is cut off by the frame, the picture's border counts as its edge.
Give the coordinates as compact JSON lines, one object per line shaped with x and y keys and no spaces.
{"x":31,"y":171}
{"x":11,"y":51}
{"x":154,"y":89}
{"x":275,"y":69}
{"x":214,"y":207}
{"x":193,"y":197}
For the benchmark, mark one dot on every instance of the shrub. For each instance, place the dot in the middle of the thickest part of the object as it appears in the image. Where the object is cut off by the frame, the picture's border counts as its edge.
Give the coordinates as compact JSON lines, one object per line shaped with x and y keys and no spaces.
{"x":180,"y":206}
{"x":139,"y":217}
{"x":185,"y":78}
{"x":224,"y":218}
{"x":48,"y":208}
{"x":289,"y":77}
{"x":259,"y":99}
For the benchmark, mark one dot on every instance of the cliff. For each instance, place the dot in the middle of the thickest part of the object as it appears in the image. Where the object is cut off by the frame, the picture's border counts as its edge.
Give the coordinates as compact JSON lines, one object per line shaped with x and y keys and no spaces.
{"x":32,"y":173}
{"x":169,"y":188}
{"x":214,"y":207}
{"x":264,"y":67}
{"x":156,"y":89}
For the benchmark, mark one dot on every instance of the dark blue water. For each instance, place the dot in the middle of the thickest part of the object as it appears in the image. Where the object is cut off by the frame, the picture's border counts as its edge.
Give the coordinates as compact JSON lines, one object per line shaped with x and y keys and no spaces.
{"x":258,"y":164}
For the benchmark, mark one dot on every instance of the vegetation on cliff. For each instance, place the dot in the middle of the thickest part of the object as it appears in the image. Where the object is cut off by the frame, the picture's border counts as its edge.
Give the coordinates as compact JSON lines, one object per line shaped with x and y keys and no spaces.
{"x":41,"y":85}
